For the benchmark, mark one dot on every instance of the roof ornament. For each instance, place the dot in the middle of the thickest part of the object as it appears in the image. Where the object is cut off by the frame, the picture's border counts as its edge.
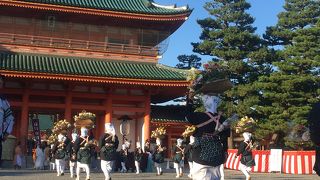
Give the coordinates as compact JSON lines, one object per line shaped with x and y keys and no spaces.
{"x":170,"y":6}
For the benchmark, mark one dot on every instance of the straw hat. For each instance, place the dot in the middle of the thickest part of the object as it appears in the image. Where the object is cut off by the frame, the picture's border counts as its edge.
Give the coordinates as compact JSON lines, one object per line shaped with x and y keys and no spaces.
{"x":216,"y":86}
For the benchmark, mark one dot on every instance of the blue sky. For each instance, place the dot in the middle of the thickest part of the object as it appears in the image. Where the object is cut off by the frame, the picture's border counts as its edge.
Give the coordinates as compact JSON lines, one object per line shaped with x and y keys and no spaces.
{"x":264,"y":11}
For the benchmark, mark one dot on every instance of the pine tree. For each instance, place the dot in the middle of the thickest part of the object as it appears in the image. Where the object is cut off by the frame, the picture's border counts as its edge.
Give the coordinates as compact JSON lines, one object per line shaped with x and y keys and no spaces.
{"x":187,"y":62}
{"x":289,"y":91}
{"x":298,"y":14}
{"x":229,"y":37}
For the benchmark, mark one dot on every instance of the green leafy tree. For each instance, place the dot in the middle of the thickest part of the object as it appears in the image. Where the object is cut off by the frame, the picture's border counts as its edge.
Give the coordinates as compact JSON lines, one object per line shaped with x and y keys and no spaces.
{"x":298,"y":14}
{"x":187,"y":62}
{"x":289,"y":91}
{"x":229,"y":37}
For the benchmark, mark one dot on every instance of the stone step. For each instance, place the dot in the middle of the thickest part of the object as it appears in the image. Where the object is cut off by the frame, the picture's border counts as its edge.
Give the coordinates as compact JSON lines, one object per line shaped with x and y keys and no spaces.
{"x":27,"y":162}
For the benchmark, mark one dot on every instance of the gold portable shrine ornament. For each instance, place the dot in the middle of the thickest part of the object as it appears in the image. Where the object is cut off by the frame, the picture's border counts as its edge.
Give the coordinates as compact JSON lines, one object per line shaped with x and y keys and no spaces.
{"x":85,"y":119}
{"x":160,"y":133}
{"x":190,"y":130}
{"x":214,"y":79}
{"x":59,"y":127}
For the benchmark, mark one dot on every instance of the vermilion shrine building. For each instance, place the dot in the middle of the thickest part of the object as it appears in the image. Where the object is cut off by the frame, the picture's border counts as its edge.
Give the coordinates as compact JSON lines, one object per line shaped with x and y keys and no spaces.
{"x":60,"y":57}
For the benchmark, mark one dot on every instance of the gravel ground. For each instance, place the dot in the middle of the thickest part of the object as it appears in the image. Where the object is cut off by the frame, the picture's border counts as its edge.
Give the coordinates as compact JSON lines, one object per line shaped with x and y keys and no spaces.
{"x":28,"y":174}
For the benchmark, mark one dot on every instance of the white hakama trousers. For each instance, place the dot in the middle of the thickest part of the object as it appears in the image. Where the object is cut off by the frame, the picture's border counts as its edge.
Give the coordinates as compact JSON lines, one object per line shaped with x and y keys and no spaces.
{"x":137,"y":164}
{"x":222,"y":171}
{"x":84,"y":166}
{"x":204,"y":172}
{"x":178,"y":167}
{"x":190,"y":169}
{"x":106,"y":167}
{"x":60,"y":166}
{"x":158,"y":167}
{"x":245,"y":170}
{"x":73,"y":166}
{"x":52,"y":165}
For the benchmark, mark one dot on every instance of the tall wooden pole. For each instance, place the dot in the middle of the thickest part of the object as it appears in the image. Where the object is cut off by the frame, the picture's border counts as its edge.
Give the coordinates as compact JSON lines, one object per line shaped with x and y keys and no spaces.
{"x":68,"y":104}
{"x":146,"y":122}
{"x":24,"y":118}
{"x":108,"y":114}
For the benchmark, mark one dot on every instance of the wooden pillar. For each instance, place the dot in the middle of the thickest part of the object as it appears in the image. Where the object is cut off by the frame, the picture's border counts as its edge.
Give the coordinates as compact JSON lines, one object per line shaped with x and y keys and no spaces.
{"x":169,"y":143}
{"x":100,"y":125}
{"x":230,"y":141}
{"x":146,"y":122}
{"x":68,"y":108}
{"x":24,"y":122}
{"x":108,"y":114}
{"x":136,"y":135}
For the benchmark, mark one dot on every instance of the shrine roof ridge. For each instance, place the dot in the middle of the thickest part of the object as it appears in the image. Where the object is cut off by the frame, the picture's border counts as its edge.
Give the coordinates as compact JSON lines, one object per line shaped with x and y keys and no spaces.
{"x":129,"y":6}
{"x":168,"y":114}
{"x":60,"y":65}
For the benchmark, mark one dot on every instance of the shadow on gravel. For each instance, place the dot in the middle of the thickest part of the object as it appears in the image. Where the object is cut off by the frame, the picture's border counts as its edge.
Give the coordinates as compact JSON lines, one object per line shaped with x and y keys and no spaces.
{"x":11,"y":172}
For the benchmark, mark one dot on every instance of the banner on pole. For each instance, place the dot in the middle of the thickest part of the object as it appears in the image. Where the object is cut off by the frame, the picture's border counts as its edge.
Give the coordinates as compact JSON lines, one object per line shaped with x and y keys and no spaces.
{"x":36,"y":130}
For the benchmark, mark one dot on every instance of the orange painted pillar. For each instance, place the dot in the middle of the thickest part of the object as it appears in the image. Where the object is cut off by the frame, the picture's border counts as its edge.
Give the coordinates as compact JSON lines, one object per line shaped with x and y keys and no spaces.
{"x":100,"y":126}
{"x":146,"y":119}
{"x":108,"y":113}
{"x":68,"y":108}
{"x":136,"y":130}
{"x":24,"y":121}
{"x":169,"y":143}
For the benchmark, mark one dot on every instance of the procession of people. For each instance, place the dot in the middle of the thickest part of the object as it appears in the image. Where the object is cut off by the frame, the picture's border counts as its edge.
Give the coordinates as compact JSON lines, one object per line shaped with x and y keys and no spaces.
{"x":75,"y":152}
{"x":202,"y":147}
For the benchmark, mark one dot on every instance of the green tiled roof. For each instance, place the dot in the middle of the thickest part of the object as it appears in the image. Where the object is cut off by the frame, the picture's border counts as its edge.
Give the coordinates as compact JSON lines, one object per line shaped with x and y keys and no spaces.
{"x":168,"y":114}
{"x":132,"y":6}
{"x":87,"y":67}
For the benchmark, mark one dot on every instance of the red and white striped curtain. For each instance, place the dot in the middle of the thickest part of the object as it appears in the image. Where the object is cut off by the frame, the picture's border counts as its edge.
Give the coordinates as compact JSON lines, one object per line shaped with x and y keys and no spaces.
{"x":293,"y":162}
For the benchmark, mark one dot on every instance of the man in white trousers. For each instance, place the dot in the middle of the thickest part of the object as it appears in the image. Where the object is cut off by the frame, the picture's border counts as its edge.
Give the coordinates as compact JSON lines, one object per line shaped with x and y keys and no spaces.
{"x":73,"y":155}
{"x":138,"y":153}
{"x":208,"y":151}
{"x":247,"y":160}
{"x":60,"y":153}
{"x":84,"y":152}
{"x":108,"y":144}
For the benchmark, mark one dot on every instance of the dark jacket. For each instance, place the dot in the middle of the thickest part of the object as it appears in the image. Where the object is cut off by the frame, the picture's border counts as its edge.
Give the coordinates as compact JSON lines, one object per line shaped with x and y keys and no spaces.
{"x":123,"y":155}
{"x":51,"y":156}
{"x":158,"y":155}
{"x":108,"y":147}
{"x":72,"y":152}
{"x":246,"y":152}
{"x":83,"y":151}
{"x":138,"y":154}
{"x":60,"y":150}
{"x":188,"y":152}
{"x":208,"y":149}
{"x":178,"y":154}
